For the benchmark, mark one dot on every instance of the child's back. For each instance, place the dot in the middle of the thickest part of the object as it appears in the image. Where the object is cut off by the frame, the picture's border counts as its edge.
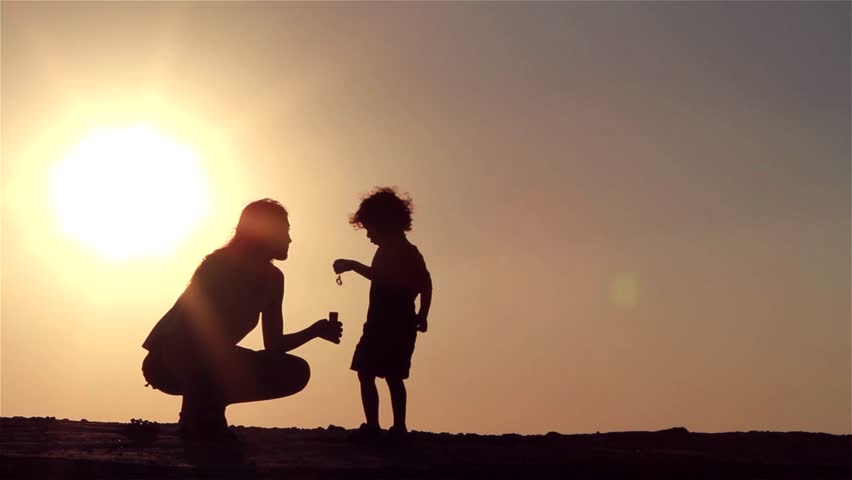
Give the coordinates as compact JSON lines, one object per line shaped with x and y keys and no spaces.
{"x":398,"y":273}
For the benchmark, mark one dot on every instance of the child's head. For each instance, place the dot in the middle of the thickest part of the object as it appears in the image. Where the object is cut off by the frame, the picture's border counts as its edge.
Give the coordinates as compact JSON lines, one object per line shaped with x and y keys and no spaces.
{"x":383,"y":213}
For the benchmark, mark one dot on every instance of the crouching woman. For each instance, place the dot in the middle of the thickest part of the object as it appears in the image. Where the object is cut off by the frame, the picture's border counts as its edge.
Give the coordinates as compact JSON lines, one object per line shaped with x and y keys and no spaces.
{"x":193,"y":352}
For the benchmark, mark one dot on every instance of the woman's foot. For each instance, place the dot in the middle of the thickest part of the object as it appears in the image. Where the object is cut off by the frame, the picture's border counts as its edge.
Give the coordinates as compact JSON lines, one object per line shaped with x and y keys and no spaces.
{"x":205,"y":429}
{"x":365,"y":433}
{"x":206,"y":433}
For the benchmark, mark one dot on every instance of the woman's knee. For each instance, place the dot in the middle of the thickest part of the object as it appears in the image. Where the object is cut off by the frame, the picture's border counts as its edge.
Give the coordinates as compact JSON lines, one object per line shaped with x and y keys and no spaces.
{"x":299,"y":371}
{"x":159,"y":377}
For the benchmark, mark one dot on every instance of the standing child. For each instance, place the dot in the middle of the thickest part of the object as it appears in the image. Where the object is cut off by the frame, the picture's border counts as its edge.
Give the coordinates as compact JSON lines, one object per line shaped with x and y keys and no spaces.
{"x":397,"y":275}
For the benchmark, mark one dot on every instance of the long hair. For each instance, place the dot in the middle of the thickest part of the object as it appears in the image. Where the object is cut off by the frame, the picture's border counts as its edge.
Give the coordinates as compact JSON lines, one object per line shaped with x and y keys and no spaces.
{"x":258,"y":221}
{"x":255,"y":227}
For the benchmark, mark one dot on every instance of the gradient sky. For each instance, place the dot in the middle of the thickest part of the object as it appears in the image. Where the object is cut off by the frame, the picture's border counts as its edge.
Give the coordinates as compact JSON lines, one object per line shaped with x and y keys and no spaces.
{"x":636,"y":215}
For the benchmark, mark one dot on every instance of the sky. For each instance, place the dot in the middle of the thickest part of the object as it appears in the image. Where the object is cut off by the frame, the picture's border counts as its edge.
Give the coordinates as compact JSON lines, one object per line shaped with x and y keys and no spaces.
{"x":636,"y":215}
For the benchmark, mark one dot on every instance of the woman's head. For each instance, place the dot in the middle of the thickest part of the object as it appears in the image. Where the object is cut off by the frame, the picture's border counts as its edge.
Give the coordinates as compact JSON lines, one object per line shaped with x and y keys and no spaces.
{"x":383,"y":213}
{"x":264,"y":225}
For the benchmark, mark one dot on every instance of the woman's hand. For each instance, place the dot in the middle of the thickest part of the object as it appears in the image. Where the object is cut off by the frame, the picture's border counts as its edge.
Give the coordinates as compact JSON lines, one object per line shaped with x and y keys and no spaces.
{"x":328,"y":330}
{"x":343,"y":265}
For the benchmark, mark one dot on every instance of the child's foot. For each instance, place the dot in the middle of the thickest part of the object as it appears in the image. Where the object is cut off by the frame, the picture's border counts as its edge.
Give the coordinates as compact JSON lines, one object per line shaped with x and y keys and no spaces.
{"x":398,"y":434}
{"x":365,"y":433}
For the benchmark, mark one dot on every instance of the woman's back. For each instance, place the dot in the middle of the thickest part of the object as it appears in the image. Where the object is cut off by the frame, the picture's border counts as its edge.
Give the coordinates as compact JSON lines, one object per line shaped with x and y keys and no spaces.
{"x":221,"y":305}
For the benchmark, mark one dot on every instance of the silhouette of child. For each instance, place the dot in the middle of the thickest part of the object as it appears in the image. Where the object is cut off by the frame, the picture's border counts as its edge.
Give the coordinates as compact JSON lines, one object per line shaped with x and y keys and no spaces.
{"x":397,"y":276}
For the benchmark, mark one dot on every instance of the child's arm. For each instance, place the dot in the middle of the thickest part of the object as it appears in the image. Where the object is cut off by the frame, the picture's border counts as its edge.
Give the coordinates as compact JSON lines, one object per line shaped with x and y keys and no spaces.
{"x":425,"y":303}
{"x":344,"y":265}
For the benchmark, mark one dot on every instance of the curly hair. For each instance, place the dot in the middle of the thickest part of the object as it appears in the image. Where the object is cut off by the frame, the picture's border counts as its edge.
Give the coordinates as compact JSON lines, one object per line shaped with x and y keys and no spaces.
{"x":385,"y":209}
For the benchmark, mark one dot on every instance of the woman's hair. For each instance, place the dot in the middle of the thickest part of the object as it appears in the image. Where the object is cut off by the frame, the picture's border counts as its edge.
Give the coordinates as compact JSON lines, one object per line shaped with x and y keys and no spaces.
{"x":259,"y":221}
{"x":259,"y":224}
{"x":385,"y":209}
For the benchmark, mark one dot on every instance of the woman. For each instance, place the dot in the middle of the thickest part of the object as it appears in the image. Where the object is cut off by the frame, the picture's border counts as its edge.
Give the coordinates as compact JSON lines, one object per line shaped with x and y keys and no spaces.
{"x":193,"y":349}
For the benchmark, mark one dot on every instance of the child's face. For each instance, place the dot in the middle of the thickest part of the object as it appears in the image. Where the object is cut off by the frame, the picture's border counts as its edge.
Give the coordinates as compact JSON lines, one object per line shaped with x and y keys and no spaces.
{"x":376,"y":236}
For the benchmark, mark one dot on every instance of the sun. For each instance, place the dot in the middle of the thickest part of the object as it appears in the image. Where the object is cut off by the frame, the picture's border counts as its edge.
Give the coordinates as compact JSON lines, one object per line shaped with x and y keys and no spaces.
{"x":129,"y":192}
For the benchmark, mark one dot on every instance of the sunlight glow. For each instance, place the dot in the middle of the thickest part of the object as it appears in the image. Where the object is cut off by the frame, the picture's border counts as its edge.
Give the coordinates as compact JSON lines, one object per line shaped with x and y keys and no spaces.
{"x":129,"y":192}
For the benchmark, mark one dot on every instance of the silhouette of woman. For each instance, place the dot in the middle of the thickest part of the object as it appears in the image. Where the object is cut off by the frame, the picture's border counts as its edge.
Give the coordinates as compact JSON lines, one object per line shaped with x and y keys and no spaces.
{"x":193,"y":349}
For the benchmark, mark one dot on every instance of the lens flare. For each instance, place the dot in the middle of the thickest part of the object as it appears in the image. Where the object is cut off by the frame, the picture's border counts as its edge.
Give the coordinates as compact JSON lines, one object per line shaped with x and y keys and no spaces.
{"x":624,"y":290}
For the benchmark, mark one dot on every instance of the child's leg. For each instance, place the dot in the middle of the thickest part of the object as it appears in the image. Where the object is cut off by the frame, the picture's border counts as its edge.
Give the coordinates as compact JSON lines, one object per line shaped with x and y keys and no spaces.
{"x":398,"y":400}
{"x":369,"y":399}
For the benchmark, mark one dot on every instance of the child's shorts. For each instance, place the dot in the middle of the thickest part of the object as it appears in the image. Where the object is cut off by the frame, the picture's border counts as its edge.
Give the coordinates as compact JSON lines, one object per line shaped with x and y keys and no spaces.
{"x":385,"y":352}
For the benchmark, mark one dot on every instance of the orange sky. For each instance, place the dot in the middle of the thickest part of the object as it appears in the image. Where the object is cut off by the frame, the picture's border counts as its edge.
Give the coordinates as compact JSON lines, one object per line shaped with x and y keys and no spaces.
{"x":636,"y":215}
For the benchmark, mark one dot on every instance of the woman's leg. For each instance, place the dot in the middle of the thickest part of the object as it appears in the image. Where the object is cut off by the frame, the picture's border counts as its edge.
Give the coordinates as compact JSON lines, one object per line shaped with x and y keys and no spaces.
{"x":265,"y":375}
{"x":234,"y":376}
{"x":398,"y":400}
{"x":369,"y":399}
{"x":202,"y":414}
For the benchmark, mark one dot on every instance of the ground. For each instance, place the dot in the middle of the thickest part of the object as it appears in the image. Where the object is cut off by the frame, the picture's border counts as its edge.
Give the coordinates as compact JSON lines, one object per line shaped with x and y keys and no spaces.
{"x":47,"y":448}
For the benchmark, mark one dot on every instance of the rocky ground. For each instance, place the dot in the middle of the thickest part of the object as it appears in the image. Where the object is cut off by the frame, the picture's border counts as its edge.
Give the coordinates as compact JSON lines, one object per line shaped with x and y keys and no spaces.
{"x":47,"y":448}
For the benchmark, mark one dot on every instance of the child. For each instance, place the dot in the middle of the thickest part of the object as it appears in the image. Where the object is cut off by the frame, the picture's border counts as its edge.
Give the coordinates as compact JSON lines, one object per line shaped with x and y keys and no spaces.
{"x":397,"y":275}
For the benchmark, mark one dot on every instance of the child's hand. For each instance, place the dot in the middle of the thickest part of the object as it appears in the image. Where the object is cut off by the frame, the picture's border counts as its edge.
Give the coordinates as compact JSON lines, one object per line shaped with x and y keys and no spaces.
{"x":328,"y":330}
{"x":343,"y":265}
{"x":422,"y":324}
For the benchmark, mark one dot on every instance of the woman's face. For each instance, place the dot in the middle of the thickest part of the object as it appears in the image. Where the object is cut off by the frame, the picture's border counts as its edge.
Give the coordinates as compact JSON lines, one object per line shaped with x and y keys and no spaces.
{"x":281,"y":241}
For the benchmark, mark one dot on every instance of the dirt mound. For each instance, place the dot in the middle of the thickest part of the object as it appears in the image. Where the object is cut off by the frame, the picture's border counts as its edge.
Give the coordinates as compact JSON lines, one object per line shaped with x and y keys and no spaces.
{"x":48,"y":448}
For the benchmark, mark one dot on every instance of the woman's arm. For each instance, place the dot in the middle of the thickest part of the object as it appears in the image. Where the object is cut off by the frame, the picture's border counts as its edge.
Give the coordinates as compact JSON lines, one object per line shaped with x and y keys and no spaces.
{"x":274,"y":337}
